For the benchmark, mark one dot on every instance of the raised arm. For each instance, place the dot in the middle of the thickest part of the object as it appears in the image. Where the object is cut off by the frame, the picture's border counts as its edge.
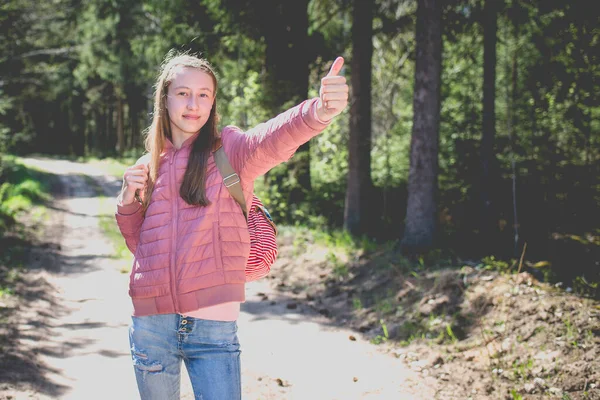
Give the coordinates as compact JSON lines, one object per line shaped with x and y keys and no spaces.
{"x":256,"y":151}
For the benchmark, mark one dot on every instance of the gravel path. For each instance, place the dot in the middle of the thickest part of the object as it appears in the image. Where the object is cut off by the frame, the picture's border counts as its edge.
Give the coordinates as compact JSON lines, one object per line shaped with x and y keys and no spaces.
{"x":80,"y":339}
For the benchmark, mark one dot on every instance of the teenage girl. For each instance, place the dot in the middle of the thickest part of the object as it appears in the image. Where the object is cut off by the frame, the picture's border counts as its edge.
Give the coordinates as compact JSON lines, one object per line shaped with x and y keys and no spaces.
{"x":189,"y":237}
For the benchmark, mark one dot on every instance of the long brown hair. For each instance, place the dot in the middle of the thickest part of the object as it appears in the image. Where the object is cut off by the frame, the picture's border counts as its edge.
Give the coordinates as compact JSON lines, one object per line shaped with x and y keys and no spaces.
{"x":193,"y":186}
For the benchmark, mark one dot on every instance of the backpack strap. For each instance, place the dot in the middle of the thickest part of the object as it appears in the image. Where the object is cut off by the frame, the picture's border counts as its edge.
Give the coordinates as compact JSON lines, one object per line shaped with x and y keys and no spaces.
{"x":230,"y":178}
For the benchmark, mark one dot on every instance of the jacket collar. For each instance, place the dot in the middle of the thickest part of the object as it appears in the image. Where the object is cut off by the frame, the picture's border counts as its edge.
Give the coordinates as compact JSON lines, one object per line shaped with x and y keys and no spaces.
{"x":169,"y":146}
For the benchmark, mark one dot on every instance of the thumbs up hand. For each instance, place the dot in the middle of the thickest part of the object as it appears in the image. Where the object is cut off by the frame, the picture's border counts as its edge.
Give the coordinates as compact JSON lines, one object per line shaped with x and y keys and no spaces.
{"x":333,"y":94}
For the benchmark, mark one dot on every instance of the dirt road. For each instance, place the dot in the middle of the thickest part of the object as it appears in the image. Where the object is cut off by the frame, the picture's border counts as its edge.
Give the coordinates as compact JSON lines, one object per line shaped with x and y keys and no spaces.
{"x":73,"y":335}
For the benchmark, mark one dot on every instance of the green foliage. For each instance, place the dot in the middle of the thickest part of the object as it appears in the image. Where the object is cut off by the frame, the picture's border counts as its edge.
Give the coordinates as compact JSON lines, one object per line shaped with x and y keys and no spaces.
{"x":340,"y":268}
{"x":450,"y":333}
{"x":385,"y":305}
{"x":20,"y":189}
{"x":515,"y":395}
{"x":8,"y":278}
{"x":112,"y":166}
{"x":379,"y":339}
{"x":111,"y":230}
{"x":491,"y":263}
{"x":106,"y":219}
{"x":522,"y":369}
{"x":585,"y":287}
{"x":393,"y":74}
{"x":73,"y":72}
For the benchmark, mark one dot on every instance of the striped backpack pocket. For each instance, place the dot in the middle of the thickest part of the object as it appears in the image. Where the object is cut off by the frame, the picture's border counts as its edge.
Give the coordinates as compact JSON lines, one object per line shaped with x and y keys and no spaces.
{"x":262,"y":229}
{"x":263,"y":242}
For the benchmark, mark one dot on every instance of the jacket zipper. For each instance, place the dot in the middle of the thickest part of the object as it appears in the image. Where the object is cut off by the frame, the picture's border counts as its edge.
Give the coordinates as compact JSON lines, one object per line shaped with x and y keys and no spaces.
{"x":174,"y":198}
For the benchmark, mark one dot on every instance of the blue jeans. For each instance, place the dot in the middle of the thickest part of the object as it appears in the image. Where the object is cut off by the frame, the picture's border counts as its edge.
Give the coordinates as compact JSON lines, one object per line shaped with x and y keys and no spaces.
{"x":210,"y":350}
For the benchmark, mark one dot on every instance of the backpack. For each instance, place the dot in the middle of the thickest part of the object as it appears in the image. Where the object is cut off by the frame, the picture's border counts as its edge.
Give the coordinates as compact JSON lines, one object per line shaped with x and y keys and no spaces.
{"x":262,"y":229}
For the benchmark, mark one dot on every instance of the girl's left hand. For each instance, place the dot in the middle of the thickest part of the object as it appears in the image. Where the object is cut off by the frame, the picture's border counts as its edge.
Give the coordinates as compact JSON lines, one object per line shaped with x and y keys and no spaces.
{"x":333,"y":95}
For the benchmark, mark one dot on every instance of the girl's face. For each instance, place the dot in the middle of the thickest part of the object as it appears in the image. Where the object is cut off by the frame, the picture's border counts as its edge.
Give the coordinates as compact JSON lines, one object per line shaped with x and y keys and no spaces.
{"x":190,"y":97}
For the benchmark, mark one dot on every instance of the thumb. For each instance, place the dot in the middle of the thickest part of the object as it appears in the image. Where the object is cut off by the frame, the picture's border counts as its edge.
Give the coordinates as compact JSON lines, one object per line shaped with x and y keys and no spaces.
{"x":336,"y":67}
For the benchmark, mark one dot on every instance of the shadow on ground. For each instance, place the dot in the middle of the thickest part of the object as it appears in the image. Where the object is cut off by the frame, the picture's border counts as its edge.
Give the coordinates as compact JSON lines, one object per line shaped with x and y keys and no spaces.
{"x":30,"y":305}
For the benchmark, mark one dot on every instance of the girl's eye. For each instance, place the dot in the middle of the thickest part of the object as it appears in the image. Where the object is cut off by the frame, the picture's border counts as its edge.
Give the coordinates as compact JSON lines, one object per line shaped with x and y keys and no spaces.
{"x":203,"y":95}
{"x":182,"y":94}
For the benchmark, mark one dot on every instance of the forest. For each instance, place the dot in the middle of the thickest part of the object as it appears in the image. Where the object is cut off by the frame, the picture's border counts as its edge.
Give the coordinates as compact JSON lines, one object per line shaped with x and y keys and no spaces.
{"x":472,"y":130}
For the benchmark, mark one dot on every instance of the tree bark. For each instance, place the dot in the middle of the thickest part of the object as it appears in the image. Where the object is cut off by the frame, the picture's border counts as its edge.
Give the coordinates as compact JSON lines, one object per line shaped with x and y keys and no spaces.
{"x":359,"y":144}
{"x":422,"y":179}
{"x":286,"y":37}
{"x":120,"y":131}
{"x":490,"y":27}
{"x":108,"y":142}
{"x":134,"y":124}
{"x":78,"y":125}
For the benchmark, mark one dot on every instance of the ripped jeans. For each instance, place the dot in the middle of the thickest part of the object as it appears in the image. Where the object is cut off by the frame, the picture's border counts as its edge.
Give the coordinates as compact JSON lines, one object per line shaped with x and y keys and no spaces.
{"x":209,"y":349}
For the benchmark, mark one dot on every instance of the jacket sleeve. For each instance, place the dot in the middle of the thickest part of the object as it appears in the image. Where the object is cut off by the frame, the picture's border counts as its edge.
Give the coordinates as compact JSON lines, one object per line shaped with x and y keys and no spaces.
{"x":130,"y":218}
{"x":263,"y":147}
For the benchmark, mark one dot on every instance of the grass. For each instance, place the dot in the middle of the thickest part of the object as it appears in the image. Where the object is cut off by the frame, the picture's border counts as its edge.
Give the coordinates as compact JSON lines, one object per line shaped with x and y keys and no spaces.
{"x":8,"y":279}
{"x":337,"y":240}
{"x":381,"y":338}
{"x":340,"y":268}
{"x":515,"y":395}
{"x":346,"y":259}
{"x":111,"y":230}
{"x":23,"y":190}
{"x":108,"y":224}
{"x":111,"y":166}
{"x":114,"y":167}
{"x":385,"y":303}
{"x":522,"y":369}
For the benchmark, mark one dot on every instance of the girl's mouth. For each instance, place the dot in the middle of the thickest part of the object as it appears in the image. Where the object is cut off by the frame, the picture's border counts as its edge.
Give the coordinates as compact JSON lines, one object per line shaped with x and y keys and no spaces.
{"x":192,"y":117}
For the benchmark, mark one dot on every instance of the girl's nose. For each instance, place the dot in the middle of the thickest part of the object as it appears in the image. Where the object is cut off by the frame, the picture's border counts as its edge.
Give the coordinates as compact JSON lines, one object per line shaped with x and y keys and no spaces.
{"x":192,"y":103}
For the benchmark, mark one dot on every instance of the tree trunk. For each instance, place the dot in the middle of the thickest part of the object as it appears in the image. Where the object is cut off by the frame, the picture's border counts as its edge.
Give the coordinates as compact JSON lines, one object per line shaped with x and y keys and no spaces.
{"x":512,"y":96}
{"x":94,"y":136}
{"x":78,"y":125}
{"x":134,"y":123}
{"x":286,"y":37}
{"x":107,"y":136}
{"x":422,"y":179}
{"x":359,"y":143}
{"x":120,"y":131}
{"x":488,"y":176}
{"x":136,"y":107}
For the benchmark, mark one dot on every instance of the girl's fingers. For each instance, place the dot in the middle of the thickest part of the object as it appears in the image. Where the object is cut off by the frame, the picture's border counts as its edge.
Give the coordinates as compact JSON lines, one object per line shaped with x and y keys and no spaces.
{"x":334,"y":96}
{"x":136,"y":173}
{"x":335,"y":105}
{"x":334,"y":88}
{"x":342,"y":91}
{"x":336,"y":66}
{"x":136,"y":181}
{"x":333,"y":80}
{"x":136,"y":185}
{"x":138,"y":167}
{"x":333,"y":92}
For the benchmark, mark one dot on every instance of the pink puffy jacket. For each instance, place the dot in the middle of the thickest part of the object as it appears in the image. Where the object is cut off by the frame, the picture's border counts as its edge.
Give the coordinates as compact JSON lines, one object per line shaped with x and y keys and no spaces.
{"x":189,"y":257}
